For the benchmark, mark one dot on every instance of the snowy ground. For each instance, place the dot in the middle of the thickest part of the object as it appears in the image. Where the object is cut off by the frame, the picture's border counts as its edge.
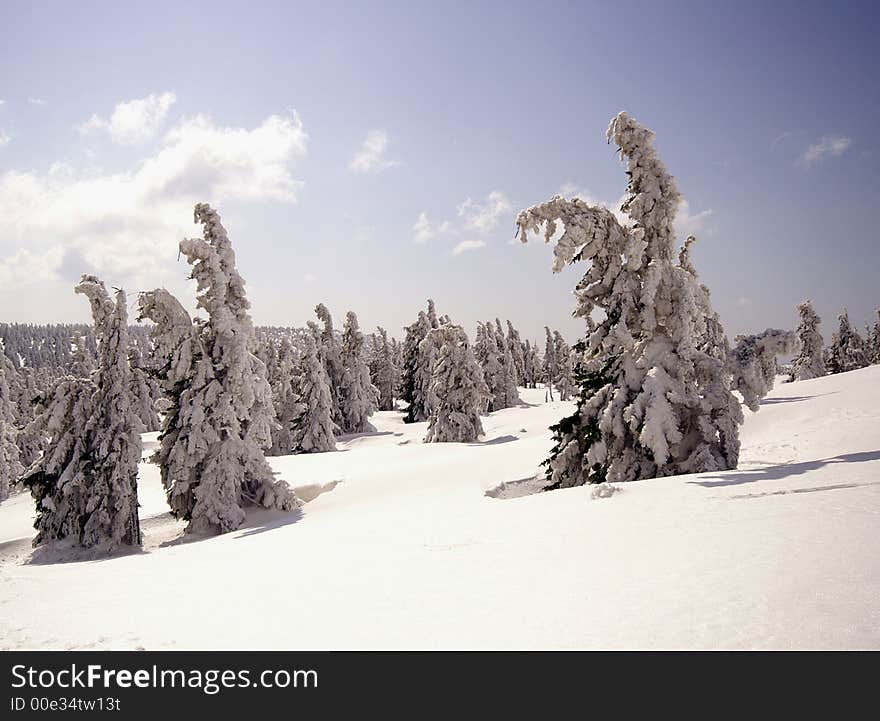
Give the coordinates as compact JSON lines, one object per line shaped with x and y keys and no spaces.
{"x":408,"y":551}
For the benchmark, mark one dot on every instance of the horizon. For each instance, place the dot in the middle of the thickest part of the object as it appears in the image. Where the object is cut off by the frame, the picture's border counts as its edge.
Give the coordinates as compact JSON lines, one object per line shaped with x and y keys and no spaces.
{"x":372,"y":164}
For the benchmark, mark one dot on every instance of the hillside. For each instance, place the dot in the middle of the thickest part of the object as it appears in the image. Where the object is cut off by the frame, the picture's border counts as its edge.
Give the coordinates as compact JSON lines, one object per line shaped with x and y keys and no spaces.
{"x":408,"y":551}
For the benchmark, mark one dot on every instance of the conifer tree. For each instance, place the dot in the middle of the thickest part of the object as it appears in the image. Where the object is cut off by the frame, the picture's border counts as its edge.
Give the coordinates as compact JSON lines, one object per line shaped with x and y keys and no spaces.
{"x":221,"y":414}
{"x":360,"y":398}
{"x":874,"y":341}
{"x":550,"y":368}
{"x":653,"y":400}
{"x":459,"y":389}
{"x":85,"y":483}
{"x":383,"y":371}
{"x":809,"y":363}
{"x":847,"y":347}
{"x":330,"y":354}
{"x":313,"y":428}
{"x":10,"y":463}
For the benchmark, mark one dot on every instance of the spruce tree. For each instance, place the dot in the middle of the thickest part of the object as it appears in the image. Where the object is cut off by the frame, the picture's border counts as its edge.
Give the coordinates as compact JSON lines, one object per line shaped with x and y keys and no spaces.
{"x":458,"y":387}
{"x":312,"y":430}
{"x":360,"y":398}
{"x":653,"y":400}
{"x":330,"y":354}
{"x":383,"y":371}
{"x":809,"y":362}
{"x":85,"y":483}
{"x":847,"y":347}
{"x":221,"y":415}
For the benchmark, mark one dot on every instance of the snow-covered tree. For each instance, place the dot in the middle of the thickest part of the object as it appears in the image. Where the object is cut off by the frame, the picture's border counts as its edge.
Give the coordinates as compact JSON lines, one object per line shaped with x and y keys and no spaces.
{"x":517,"y":351}
{"x":458,"y":387}
{"x":510,"y":378}
{"x":653,"y":400}
{"x":360,"y":398}
{"x":382,"y":370}
{"x":85,"y":484}
{"x":753,"y":362}
{"x":809,"y":362}
{"x":550,"y":368}
{"x":874,"y":341}
{"x":221,"y":415}
{"x":330,"y":354}
{"x":313,"y":429}
{"x":10,"y":463}
{"x":847,"y":347}
{"x":145,"y":391}
{"x":417,"y":368}
{"x":284,"y":398}
{"x":82,"y":364}
{"x":531,"y":364}
{"x":491,"y":363}
{"x":563,"y":380}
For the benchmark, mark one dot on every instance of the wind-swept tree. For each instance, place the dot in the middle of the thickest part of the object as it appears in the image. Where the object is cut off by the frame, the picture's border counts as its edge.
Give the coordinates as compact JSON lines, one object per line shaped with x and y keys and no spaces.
{"x":653,"y":400}
{"x":330,"y":353}
{"x":221,"y":415}
{"x":85,"y":484}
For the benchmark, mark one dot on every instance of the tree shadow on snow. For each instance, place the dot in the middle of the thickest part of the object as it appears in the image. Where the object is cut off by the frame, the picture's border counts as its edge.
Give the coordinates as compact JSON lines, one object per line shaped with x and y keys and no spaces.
{"x":781,"y":471}
{"x":267,"y":521}
{"x":495,"y":441}
{"x":794,"y":399}
{"x":63,"y":552}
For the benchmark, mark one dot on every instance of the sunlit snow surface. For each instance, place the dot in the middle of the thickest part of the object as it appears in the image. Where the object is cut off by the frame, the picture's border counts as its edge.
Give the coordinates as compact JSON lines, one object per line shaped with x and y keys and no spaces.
{"x":407,"y":550}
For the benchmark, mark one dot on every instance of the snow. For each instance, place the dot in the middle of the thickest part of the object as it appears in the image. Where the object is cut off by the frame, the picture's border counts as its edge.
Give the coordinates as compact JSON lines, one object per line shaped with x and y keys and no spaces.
{"x":404,"y":549}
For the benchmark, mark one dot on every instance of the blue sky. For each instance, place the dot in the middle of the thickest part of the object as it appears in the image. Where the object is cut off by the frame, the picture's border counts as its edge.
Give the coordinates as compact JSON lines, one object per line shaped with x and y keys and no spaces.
{"x":324,"y":132}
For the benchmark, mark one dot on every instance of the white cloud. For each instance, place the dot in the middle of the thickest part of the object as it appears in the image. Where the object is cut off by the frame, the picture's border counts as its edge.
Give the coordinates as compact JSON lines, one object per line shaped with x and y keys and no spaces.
{"x":125,"y":225}
{"x":743,"y":301}
{"x":2,"y":102}
{"x":133,"y":121}
{"x":572,"y":190}
{"x":691,"y":224}
{"x":371,"y":157}
{"x":467,"y":245}
{"x":484,"y":218}
{"x":309,"y":278}
{"x":37,"y":101}
{"x":827,"y":146}
{"x":4,"y":139}
{"x":422,"y":230}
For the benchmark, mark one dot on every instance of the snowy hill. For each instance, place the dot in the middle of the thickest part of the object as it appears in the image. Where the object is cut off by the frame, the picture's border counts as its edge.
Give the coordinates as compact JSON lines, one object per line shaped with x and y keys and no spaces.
{"x":407,"y":550}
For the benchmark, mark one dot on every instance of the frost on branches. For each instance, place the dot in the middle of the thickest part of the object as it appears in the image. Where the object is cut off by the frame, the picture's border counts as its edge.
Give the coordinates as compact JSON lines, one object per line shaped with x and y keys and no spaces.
{"x":655,"y":390}
{"x":85,"y":484}
{"x":360,"y":399}
{"x":458,"y":387}
{"x":847,"y":352}
{"x":810,"y":362}
{"x":221,"y":415}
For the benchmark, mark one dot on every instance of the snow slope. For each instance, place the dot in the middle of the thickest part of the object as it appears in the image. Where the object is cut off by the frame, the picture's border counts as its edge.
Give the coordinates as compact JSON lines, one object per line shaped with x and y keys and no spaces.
{"x":407,"y":551}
